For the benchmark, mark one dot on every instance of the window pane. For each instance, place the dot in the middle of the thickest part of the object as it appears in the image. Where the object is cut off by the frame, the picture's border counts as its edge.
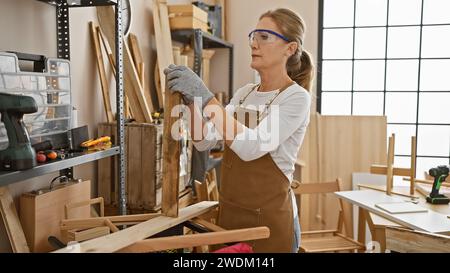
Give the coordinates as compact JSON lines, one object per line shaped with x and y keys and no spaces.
{"x":434,"y":108}
{"x":338,"y":13}
{"x":369,"y":76}
{"x":433,"y":140}
{"x":403,"y":42}
{"x":337,"y":75}
{"x":424,"y":164}
{"x":436,"y":11}
{"x":401,"y":107}
{"x":337,"y":43}
{"x":371,"y":12}
{"x":402,"y":162}
{"x":403,"y":134}
{"x":336,"y":103}
{"x":434,"y":75}
{"x":404,"y":12}
{"x":436,"y":41}
{"x":370,"y":104}
{"x":402,"y":75}
{"x":370,"y":43}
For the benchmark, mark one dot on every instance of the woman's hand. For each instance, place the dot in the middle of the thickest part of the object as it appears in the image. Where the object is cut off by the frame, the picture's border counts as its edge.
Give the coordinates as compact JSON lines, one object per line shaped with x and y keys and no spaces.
{"x":183,"y":80}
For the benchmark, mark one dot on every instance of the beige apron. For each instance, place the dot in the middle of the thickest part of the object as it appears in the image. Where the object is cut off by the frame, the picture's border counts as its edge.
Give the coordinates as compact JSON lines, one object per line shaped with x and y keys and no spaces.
{"x":256,"y":193}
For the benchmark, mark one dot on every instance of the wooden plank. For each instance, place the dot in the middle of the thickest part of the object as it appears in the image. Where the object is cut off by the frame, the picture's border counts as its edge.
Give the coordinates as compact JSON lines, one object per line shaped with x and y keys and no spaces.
{"x":131,"y":235}
{"x":105,"y":167}
{"x":187,"y":241}
{"x":171,"y":147}
{"x":140,"y":102}
{"x":161,"y":56}
{"x":382,"y":169}
{"x":12,"y":223}
{"x":100,"y":221}
{"x":102,"y":73}
{"x":88,"y":234}
{"x":135,"y":51}
{"x":148,"y":167}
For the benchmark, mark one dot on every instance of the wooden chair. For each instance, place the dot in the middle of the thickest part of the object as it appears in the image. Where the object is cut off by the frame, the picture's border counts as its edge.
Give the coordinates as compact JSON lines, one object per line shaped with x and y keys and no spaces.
{"x":411,"y":241}
{"x":326,"y":240}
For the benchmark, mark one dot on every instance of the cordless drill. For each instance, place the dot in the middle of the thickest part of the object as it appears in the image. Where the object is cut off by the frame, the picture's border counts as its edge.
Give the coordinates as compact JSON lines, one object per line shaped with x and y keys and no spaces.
{"x":20,"y":154}
{"x":439,"y":173}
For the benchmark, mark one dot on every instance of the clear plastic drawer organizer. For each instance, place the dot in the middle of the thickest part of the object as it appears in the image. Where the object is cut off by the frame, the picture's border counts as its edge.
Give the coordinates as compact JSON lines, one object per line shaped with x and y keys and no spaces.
{"x":50,"y":89}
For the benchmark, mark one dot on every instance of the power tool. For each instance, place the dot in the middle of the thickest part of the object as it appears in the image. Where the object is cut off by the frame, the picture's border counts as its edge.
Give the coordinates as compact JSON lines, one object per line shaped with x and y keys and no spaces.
{"x":439,"y":173}
{"x":19,"y":155}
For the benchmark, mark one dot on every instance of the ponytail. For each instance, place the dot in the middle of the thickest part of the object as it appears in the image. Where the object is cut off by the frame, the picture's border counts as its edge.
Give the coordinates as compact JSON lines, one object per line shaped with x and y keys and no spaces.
{"x":300,"y":69}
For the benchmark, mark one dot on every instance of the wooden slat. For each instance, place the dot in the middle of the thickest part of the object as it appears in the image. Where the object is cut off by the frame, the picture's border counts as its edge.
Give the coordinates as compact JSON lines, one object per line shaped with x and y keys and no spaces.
{"x":383,"y":189}
{"x":413,"y":165}
{"x":161,"y":56}
{"x":211,"y":238}
{"x":207,"y":224}
{"x":98,"y":200}
{"x":12,"y":223}
{"x":105,"y":168}
{"x":382,"y":169}
{"x":102,"y":73}
{"x":390,"y":163}
{"x":148,"y":170}
{"x":135,"y":165}
{"x":424,"y":181}
{"x":88,"y":234}
{"x":99,"y":221}
{"x":140,"y":102}
{"x":131,"y":235}
{"x":171,"y":147}
{"x":111,"y":226}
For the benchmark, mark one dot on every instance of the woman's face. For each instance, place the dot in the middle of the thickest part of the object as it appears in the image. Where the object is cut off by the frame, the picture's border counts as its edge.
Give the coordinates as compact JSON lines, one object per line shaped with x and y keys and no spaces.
{"x":271,"y":54}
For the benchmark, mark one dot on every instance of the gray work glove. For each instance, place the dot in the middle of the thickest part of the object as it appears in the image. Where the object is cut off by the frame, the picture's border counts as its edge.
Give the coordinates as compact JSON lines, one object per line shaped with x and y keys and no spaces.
{"x":182,"y":79}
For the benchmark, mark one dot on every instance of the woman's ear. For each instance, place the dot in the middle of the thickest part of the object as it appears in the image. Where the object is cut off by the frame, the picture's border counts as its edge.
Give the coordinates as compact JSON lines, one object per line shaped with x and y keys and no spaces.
{"x":292,"y":48}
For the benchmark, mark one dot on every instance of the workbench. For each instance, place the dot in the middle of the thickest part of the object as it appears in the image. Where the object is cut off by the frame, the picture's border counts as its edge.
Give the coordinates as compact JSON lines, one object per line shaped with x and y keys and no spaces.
{"x":435,"y":220}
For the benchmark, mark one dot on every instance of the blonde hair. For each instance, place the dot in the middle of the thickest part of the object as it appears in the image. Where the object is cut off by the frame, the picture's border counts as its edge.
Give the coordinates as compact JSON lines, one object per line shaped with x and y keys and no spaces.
{"x":299,"y":66}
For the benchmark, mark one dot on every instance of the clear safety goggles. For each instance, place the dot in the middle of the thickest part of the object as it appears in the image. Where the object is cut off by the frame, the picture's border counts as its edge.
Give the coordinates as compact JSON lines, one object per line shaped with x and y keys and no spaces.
{"x":265,"y":36}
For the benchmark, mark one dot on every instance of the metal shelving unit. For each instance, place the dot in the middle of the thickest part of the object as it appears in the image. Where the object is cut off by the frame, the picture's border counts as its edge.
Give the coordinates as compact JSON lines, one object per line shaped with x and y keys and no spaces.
{"x":199,"y":40}
{"x":63,"y":48}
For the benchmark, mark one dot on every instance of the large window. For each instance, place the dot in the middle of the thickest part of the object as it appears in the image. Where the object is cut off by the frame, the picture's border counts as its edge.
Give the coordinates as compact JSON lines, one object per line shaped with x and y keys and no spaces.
{"x":390,"y":57}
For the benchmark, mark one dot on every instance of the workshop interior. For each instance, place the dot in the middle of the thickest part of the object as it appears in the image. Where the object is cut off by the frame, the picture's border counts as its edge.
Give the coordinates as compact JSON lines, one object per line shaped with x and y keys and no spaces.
{"x":121,"y":127}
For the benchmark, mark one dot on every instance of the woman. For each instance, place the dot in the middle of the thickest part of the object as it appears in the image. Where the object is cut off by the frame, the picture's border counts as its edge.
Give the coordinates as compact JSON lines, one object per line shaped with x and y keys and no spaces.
{"x":263,"y":127}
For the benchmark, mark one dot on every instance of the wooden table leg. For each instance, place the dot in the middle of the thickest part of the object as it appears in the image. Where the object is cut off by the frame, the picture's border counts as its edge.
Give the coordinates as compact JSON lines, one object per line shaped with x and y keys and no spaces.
{"x":361,"y":227}
{"x":377,"y":232}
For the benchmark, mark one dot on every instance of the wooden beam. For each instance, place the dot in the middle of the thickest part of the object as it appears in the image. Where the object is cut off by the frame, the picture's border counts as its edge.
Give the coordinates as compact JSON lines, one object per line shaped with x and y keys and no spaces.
{"x":131,"y":235}
{"x":424,"y":181}
{"x":187,"y":241}
{"x":390,"y":166}
{"x":12,"y":223}
{"x":102,"y":73}
{"x":382,"y":169}
{"x":111,"y":226}
{"x":382,"y":189}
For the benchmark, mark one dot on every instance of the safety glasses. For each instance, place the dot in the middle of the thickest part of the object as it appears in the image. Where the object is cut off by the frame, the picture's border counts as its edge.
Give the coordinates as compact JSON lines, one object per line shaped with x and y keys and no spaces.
{"x":265,"y":36}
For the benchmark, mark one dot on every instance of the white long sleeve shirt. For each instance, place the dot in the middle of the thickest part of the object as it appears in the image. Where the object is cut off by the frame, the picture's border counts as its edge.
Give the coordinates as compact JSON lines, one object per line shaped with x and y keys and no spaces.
{"x":280,"y":133}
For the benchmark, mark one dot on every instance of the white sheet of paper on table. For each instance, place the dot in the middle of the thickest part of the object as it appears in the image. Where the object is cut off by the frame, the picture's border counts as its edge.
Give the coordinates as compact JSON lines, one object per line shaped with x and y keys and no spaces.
{"x":400,"y":207}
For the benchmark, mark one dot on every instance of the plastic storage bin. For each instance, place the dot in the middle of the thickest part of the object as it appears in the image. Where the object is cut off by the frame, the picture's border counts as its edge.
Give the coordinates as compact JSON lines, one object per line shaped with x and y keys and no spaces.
{"x":50,"y":88}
